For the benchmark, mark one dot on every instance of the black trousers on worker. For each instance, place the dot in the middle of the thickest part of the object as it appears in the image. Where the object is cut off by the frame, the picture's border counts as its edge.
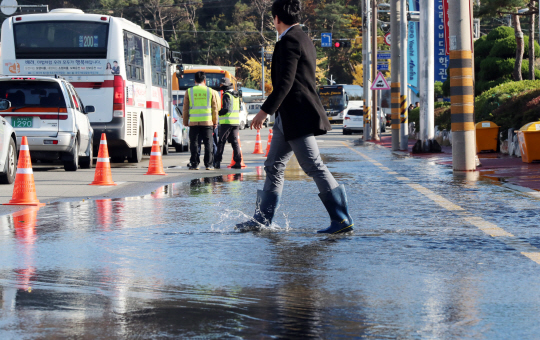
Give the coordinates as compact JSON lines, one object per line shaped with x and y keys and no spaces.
{"x":194,"y":133}
{"x":228,"y":133}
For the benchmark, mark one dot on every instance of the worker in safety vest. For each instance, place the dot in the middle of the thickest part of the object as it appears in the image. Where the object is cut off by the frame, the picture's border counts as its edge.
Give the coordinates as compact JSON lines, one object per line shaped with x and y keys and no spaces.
{"x":201,"y":105}
{"x":229,"y":124}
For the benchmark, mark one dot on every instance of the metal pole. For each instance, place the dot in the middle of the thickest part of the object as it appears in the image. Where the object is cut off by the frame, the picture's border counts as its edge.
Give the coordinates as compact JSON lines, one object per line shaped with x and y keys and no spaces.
{"x":404,"y":132}
{"x":462,"y":88}
{"x":374,"y":113}
{"x":427,"y":72}
{"x":366,"y":54}
{"x":395,"y":27}
{"x":262,"y":63}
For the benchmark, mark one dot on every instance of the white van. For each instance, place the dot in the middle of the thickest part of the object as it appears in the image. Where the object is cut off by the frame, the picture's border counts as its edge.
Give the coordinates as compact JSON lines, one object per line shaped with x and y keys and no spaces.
{"x":353,"y":119}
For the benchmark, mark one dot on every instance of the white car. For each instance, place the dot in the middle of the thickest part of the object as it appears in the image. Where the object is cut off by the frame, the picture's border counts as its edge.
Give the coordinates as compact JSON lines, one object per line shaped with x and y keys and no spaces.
{"x":353,"y":121}
{"x":253,"y":109}
{"x":8,"y":147}
{"x":180,"y":137}
{"x":50,"y":113}
{"x":243,"y":116}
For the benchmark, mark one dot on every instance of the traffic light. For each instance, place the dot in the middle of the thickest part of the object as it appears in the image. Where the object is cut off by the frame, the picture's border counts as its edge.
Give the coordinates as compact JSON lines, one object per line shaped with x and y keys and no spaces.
{"x":342,"y":44}
{"x":337,"y":44}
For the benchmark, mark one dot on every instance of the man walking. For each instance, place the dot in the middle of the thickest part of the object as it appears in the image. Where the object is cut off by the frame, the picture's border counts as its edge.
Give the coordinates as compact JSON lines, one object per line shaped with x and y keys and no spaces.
{"x":200,"y":114}
{"x":229,"y":124}
{"x":300,"y":117}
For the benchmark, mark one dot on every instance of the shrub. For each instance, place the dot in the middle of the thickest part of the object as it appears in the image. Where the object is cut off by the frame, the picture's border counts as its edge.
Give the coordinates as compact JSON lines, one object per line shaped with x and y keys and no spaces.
{"x":491,"y":99}
{"x":500,"y":32}
{"x":518,"y":111}
{"x":440,"y":108}
{"x":506,"y":48}
{"x":493,"y":68}
{"x":481,"y":86}
{"x":482,"y":48}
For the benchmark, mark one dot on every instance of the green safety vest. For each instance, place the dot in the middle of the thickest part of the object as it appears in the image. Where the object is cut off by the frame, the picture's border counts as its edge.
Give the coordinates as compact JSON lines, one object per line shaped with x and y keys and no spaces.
{"x":200,"y":104}
{"x":233,"y":117}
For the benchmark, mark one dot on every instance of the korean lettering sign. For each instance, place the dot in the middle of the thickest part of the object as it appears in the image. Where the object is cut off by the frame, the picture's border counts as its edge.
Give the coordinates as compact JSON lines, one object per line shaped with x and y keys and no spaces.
{"x":441,"y":59}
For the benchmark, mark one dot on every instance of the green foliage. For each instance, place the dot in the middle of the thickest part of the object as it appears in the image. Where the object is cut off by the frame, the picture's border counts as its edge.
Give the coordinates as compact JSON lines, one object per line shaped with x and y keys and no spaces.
{"x":438,"y":89}
{"x":482,"y":47}
{"x":414,"y":117}
{"x":518,"y":111}
{"x":481,"y":86}
{"x":493,"y":98}
{"x":493,"y":68}
{"x":500,"y":32}
{"x":440,"y":107}
{"x":506,"y":48}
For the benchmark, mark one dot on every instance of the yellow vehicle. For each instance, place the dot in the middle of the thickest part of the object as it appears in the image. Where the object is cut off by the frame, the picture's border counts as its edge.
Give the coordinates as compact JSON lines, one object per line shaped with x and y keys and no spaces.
{"x":213,"y":78}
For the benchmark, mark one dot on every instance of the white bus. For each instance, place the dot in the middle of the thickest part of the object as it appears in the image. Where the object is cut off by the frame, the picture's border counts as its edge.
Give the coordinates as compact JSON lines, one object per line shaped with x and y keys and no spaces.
{"x":115,"y":65}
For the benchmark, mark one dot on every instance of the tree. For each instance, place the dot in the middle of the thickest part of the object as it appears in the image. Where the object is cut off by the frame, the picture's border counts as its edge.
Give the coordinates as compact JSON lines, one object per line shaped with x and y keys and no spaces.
{"x":512,"y":8}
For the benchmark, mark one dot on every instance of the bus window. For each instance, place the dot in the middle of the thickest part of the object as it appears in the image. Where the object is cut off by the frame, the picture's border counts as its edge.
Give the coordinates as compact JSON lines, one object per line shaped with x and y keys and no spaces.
{"x":133,"y":52}
{"x":61,"y":39}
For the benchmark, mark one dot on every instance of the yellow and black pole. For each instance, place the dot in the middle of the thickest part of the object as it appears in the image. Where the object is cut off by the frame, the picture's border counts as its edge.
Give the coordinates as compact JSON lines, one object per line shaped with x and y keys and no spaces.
{"x":395,"y":91}
{"x":462,"y":88}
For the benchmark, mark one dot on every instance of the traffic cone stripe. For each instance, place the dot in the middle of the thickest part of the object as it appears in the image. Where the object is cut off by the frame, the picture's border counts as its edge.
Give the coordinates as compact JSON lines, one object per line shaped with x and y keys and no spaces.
{"x":24,"y":147}
{"x":25,"y":171}
{"x":104,"y":160}
{"x":155,"y":139}
{"x":155,"y":153}
{"x":103,"y":142}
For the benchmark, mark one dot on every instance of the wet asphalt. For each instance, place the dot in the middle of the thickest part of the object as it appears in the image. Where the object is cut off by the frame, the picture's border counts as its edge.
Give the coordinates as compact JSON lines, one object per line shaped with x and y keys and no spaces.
{"x":434,"y":254}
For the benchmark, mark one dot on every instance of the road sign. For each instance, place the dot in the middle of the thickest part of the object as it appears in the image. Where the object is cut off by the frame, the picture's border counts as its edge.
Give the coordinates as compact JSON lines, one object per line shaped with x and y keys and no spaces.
{"x":384,"y":55}
{"x":268,"y":56}
{"x":9,"y":7}
{"x":326,"y":39}
{"x":382,"y":67}
{"x":380,"y":83}
{"x":388,"y":39}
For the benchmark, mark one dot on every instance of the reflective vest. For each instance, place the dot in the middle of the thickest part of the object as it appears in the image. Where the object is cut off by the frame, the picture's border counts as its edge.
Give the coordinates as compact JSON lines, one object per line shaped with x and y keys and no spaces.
{"x":200,"y":104}
{"x":233,"y":117}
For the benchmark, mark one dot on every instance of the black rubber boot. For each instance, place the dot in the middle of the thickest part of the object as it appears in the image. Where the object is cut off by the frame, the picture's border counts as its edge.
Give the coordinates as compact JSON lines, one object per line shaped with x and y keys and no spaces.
{"x":265,"y":207}
{"x":335,"y":202}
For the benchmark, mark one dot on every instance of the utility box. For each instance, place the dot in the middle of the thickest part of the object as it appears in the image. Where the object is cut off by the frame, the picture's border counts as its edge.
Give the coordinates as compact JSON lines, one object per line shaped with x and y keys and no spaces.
{"x":529,"y":142}
{"x":487,"y":137}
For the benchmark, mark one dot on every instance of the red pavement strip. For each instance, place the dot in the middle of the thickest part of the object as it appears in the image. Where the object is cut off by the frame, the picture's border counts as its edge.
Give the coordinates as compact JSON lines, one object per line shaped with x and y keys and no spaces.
{"x":496,"y":166}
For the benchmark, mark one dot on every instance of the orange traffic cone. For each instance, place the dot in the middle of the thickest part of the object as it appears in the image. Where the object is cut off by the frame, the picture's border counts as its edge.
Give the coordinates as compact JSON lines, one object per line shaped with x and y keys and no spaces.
{"x":156,"y":164}
{"x":24,"y":191}
{"x":269,"y":142}
{"x":232,"y":160}
{"x":103,"y":174}
{"x":258,"y":144}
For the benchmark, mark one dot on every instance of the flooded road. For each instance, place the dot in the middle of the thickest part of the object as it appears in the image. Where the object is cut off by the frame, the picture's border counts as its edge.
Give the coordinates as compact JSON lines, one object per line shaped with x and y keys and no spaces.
{"x":433,"y":255}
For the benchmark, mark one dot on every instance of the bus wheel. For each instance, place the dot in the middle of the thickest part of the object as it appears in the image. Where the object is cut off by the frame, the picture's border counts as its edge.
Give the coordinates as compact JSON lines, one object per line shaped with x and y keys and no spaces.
{"x":137,"y":152}
{"x":165,"y":147}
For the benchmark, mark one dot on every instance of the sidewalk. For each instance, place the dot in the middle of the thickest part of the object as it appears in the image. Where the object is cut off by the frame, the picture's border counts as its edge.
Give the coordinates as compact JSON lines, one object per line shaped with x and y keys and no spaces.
{"x":496,"y":166}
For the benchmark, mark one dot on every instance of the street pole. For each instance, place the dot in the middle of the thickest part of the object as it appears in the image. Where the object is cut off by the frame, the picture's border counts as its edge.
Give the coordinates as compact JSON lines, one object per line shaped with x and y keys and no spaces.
{"x":404,"y":132}
{"x":395,"y":27}
{"x":374,"y":114}
{"x":262,"y":63}
{"x":427,"y":72}
{"x":366,"y":60}
{"x":462,"y":88}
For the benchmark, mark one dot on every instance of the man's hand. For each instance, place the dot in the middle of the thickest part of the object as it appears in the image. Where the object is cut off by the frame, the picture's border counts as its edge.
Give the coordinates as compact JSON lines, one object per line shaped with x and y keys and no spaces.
{"x":258,"y":121}
{"x":215,"y":126}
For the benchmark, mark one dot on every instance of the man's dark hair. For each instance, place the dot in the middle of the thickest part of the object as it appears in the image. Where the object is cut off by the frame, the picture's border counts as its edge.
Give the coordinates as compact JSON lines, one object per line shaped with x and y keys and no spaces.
{"x":288,"y":11}
{"x":200,"y":77}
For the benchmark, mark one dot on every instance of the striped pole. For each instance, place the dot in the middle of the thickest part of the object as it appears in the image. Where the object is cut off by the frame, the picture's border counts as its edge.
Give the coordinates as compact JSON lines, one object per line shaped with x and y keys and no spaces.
{"x":395,"y":19}
{"x":462,"y":88}
{"x":404,"y":117}
{"x":367,"y":123}
{"x":404,"y":131}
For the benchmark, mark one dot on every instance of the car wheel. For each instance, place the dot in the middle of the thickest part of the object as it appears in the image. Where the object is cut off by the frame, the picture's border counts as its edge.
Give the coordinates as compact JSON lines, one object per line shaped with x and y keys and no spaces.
{"x":165,"y":147}
{"x":88,"y":161}
{"x":347,"y":132}
{"x":137,"y":153}
{"x":73,"y":163}
{"x":179,"y":147}
{"x":10,"y":167}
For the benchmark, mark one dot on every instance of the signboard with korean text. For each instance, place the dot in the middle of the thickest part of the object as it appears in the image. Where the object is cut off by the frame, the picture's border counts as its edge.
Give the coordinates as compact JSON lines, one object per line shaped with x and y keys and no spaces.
{"x":412,"y":46}
{"x":441,"y":59}
{"x":326,"y":39}
{"x":382,"y":67}
{"x":64,"y":67}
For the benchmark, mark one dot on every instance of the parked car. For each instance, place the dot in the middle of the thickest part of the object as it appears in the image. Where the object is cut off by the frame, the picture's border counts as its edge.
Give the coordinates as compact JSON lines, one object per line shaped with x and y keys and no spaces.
{"x":253,"y":109}
{"x":243,"y":116}
{"x":180,"y":137}
{"x":8,"y":147}
{"x":50,"y":113}
{"x":353,"y":121}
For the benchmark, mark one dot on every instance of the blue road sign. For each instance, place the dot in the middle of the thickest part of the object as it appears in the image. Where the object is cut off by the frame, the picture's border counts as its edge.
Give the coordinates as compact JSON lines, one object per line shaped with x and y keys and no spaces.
{"x":382,"y":67}
{"x":326,"y":39}
{"x":384,"y":55}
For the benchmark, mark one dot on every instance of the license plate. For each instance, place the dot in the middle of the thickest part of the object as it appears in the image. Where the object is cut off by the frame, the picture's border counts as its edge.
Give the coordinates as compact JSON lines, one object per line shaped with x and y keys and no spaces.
{"x":329,"y":118}
{"x":21,"y":122}
{"x":357,"y":119}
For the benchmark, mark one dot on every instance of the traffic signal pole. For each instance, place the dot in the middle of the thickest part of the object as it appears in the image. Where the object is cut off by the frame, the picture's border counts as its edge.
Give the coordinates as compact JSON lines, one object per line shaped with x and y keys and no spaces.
{"x":374,"y":114}
{"x":404,"y":131}
{"x":262,"y":64}
{"x":395,"y":7}
{"x":366,"y":60}
{"x":462,"y":87}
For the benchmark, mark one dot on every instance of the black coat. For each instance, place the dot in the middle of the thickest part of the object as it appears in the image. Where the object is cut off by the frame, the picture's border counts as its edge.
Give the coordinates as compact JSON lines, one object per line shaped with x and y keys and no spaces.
{"x":295,"y":95}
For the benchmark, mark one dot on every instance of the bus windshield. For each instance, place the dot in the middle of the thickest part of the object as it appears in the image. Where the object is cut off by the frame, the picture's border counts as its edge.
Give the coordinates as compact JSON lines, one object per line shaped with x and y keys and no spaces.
{"x":212,"y":80}
{"x":332,"y":99}
{"x":61,"y":39}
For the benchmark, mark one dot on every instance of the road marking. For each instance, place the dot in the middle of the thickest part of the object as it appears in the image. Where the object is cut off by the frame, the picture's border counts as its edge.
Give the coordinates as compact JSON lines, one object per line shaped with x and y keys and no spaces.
{"x":523,"y":247}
